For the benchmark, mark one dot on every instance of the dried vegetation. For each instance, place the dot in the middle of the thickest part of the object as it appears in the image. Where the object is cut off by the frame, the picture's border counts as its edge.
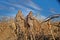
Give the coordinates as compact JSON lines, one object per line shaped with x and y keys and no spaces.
{"x":29,"y":28}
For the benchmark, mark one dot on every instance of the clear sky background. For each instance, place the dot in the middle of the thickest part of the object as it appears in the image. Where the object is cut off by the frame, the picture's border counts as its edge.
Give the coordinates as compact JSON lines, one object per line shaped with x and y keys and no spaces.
{"x":42,"y":7}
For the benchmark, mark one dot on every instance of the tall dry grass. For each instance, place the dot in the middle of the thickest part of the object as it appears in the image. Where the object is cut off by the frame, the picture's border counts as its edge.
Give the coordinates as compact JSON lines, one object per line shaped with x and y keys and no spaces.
{"x":48,"y":30}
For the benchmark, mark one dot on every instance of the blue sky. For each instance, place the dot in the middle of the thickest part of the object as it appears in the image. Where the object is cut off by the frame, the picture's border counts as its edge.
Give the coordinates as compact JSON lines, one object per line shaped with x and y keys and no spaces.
{"x":41,"y":7}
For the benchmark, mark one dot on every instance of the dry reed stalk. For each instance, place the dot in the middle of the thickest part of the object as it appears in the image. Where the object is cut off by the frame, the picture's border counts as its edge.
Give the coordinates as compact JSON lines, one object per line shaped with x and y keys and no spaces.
{"x":50,"y":26}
